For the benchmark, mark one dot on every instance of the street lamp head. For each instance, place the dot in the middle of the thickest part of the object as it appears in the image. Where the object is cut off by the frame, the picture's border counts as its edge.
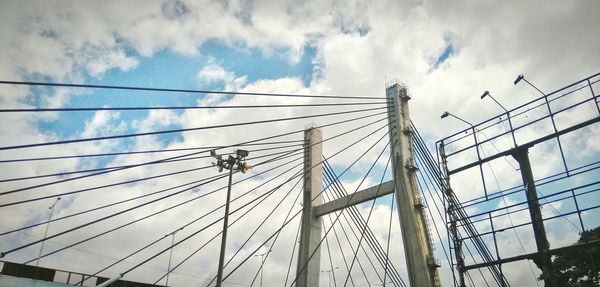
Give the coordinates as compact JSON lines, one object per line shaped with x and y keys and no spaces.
{"x":444,"y":115}
{"x":486,"y":93}
{"x":519,"y":78}
{"x":242,"y":153}
{"x":244,"y":167}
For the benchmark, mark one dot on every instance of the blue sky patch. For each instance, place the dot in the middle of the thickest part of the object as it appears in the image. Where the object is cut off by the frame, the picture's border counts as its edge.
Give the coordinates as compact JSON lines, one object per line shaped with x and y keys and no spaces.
{"x":167,"y":70}
{"x":448,"y":51}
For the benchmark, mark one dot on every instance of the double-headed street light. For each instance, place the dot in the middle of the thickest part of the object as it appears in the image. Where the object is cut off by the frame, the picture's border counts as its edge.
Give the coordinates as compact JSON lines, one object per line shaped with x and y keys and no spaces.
{"x":46,"y":232}
{"x":330,"y":271}
{"x":171,"y":253}
{"x":232,"y":163}
{"x":262,"y":262}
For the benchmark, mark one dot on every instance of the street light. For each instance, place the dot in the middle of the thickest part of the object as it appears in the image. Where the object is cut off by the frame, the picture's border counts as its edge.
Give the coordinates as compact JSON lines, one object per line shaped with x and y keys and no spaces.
{"x":522,"y":78}
{"x":262,"y":262}
{"x":236,"y":162}
{"x":330,"y":271}
{"x":171,"y":253}
{"x":445,"y":115}
{"x":46,"y":232}
{"x":487,"y":94}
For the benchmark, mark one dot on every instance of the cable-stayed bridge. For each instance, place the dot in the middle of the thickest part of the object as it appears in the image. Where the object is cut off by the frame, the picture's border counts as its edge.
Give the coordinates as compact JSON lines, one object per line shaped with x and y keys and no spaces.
{"x":356,"y":200}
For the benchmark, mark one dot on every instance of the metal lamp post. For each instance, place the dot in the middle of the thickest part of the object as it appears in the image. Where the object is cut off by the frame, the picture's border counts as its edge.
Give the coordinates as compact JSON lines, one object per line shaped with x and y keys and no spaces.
{"x":46,"y":232}
{"x":445,"y":115}
{"x":262,"y":262}
{"x":487,"y":94}
{"x":329,"y":273}
{"x":236,"y":162}
{"x":171,"y":253}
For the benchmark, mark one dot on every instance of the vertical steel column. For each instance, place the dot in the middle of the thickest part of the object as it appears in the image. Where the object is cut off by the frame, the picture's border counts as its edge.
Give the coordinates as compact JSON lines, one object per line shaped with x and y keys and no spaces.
{"x":308,"y":269}
{"x":543,"y":259}
{"x":420,"y":260}
{"x":452,"y":212}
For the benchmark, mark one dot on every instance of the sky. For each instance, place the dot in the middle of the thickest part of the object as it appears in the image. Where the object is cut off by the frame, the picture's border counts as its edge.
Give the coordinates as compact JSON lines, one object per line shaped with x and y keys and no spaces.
{"x":447,"y":54}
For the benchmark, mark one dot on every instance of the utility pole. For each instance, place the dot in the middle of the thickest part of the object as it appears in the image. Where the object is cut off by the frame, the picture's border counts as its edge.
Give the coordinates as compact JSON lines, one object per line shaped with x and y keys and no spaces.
{"x":37,"y":263}
{"x":420,"y":260}
{"x":171,"y":253}
{"x":543,"y":259}
{"x":262,"y":262}
{"x":307,"y":271}
{"x":329,"y":274}
{"x":232,"y":162}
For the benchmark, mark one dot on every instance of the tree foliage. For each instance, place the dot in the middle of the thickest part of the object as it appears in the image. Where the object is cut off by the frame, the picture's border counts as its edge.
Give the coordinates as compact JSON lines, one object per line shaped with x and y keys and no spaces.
{"x":580,"y":267}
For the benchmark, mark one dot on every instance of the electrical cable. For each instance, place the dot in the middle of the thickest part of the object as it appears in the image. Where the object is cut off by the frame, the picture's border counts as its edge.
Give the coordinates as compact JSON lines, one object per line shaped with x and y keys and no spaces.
{"x":114,"y":87}
{"x":299,"y":212}
{"x":287,"y":275}
{"x":340,"y":248}
{"x":247,"y":143}
{"x":337,"y":217}
{"x":362,"y":233}
{"x":129,"y":165}
{"x":147,"y":163}
{"x":137,"y":197}
{"x":329,"y":256}
{"x":311,"y":168}
{"x":81,"y":109}
{"x":269,"y":193}
{"x":476,"y":240}
{"x":387,"y":248}
{"x":359,"y":221}
{"x":183,"y":129}
{"x":206,"y":148}
{"x":219,"y":207}
{"x":360,"y":265}
{"x":2,"y":254}
{"x":358,"y":226}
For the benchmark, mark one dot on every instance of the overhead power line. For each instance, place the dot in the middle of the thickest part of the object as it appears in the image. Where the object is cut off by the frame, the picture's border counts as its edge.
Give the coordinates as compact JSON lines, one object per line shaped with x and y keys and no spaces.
{"x":185,"y":129}
{"x":93,"y":109}
{"x":113,"y":87}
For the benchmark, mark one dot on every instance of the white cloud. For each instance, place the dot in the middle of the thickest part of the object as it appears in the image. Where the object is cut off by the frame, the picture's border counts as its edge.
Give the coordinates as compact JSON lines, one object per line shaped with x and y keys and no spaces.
{"x":66,"y":41}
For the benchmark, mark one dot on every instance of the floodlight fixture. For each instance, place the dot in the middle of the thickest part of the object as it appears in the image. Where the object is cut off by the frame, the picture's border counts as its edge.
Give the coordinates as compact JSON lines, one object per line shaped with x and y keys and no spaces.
{"x":519,"y":78}
{"x":242,"y":153}
{"x":232,"y":163}
{"x":446,"y":114}
{"x":485,"y":93}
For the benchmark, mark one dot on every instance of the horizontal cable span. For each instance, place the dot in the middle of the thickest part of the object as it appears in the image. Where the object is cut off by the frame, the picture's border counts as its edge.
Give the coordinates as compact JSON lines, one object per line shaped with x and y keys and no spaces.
{"x":184,"y":130}
{"x":119,"y":169}
{"x":352,"y":144}
{"x":207,"y":214}
{"x":2,"y":254}
{"x":147,"y":151}
{"x":132,"y":165}
{"x":144,"y":195}
{"x":338,"y":135}
{"x":218,"y":147}
{"x":185,"y":107}
{"x":113,"y":87}
{"x":109,"y":185}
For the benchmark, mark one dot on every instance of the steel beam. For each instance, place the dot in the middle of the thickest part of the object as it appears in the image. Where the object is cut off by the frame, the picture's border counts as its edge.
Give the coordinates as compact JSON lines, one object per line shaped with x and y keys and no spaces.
{"x":543,"y":259}
{"x":358,"y":197}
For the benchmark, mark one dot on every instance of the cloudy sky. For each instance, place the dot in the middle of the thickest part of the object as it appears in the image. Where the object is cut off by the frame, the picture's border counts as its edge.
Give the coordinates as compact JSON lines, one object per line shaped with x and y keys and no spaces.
{"x":446,"y":52}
